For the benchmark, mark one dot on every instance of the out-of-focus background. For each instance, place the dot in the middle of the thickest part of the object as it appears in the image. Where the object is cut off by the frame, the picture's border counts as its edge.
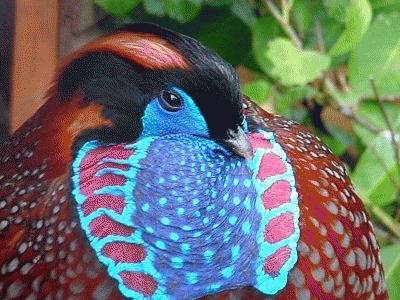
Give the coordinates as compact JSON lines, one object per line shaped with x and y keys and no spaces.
{"x":332,"y":65}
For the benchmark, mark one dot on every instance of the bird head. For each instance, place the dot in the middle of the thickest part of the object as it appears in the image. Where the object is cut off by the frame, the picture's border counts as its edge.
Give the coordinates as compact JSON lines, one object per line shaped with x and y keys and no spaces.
{"x":152,"y":82}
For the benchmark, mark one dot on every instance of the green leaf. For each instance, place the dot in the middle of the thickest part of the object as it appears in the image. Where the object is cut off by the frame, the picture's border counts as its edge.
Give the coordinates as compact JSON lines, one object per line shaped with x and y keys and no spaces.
{"x":183,"y":11}
{"x":307,"y":12}
{"x":285,"y":100}
{"x":378,"y":56}
{"x":371,"y":176}
{"x":212,"y":30}
{"x":372,"y":113}
{"x":117,"y":7}
{"x":155,"y":7}
{"x":358,"y":17}
{"x":243,"y":10}
{"x":257,"y":90}
{"x":294,"y":66}
{"x":349,"y":98}
{"x":216,"y":3}
{"x":264,"y":30}
{"x":382,"y":3}
{"x":385,"y":6}
{"x":337,"y":9}
{"x":377,"y":165}
{"x":391,"y":264}
{"x":335,"y":146}
{"x":339,"y":140}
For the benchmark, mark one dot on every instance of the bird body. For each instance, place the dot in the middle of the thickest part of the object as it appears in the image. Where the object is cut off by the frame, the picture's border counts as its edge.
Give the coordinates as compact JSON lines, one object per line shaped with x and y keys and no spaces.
{"x":147,"y":175}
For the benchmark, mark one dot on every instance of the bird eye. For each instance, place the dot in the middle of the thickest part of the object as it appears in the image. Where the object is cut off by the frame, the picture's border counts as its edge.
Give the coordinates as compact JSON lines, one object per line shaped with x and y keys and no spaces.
{"x":170,"y":101}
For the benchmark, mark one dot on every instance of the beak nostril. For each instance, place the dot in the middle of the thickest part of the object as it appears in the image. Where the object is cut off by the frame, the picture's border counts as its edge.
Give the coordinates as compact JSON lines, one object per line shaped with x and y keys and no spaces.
{"x":239,"y":143}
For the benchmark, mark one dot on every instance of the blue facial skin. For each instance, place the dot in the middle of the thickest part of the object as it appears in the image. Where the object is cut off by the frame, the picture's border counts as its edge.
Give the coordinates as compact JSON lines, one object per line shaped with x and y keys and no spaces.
{"x":195,"y":207}
{"x":157,"y":121}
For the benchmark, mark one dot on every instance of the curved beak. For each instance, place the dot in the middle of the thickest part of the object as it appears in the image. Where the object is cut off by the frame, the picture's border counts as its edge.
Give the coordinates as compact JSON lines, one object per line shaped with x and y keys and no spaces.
{"x":239,"y":143}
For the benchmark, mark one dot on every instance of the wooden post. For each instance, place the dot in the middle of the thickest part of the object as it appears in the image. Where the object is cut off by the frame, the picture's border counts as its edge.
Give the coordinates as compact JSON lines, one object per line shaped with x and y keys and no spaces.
{"x":6,"y":46}
{"x":35,"y":56}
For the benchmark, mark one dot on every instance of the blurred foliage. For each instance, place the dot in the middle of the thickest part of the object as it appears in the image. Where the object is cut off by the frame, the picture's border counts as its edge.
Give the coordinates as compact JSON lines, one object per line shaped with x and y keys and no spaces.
{"x":308,"y":56}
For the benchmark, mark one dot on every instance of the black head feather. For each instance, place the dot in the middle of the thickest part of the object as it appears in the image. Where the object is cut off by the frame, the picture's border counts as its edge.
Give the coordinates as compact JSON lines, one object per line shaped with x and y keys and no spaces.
{"x":125,"y":88}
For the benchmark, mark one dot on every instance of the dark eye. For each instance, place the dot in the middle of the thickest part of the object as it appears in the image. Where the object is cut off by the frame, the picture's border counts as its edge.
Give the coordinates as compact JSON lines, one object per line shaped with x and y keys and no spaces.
{"x":170,"y":101}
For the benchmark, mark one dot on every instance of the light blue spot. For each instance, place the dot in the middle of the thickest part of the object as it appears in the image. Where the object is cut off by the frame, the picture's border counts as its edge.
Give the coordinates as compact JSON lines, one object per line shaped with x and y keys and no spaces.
{"x":202,"y":167}
{"x":197,"y":234}
{"x":192,"y":277}
{"x":208,"y":238}
{"x":165,"y":220}
{"x":227,"y":236}
{"x":247,"y":203}
{"x":146,"y":207}
{"x":247,"y":182}
{"x":208,"y":254}
{"x":160,"y":245}
{"x":215,"y":225}
{"x":206,"y":220}
{"x":149,"y":229}
{"x":208,"y":175}
{"x":177,"y":262}
{"x":236,"y":200}
{"x":161,"y":180}
{"x":225,"y":197}
{"x":233,"y":220}
{"x":196,"y":213}
{"x":235,"y":252}
{"x":174,"y":236}
{"x":222,"y":212}
{"x":174,"y":178}
{"x":186,"y":228}
{"x":195,"y":201}
{"x":214,"y":287}
{"x":227,"y":272}
{"x":246,"y":227}
{"x":235,"y":182}
{"x":210,"y":207}
{"x":181,"y":211}
{"x":185,"y":247}
{"x":162,"y":201}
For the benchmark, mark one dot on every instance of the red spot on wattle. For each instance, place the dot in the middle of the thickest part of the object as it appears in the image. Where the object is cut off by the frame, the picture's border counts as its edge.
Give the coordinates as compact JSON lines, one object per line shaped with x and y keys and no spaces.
{"x":139,"y":282}
{"x":277,"y":194}
{"x":113,"y":152}
{"x":94,"y":202}
{"x":124,"y":252}
{"x":275,"y":261}
{"x":279,"y":228}
{"x":104,"y":226}
{"x":93,"y":162}
{"x":257,"y":140}
{"x":270,"y":165}
{"x":108,"y":179}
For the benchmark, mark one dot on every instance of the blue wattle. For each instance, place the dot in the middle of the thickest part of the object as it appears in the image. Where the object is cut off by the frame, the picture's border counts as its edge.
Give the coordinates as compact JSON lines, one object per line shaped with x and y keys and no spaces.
{"x":197,"y":210}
